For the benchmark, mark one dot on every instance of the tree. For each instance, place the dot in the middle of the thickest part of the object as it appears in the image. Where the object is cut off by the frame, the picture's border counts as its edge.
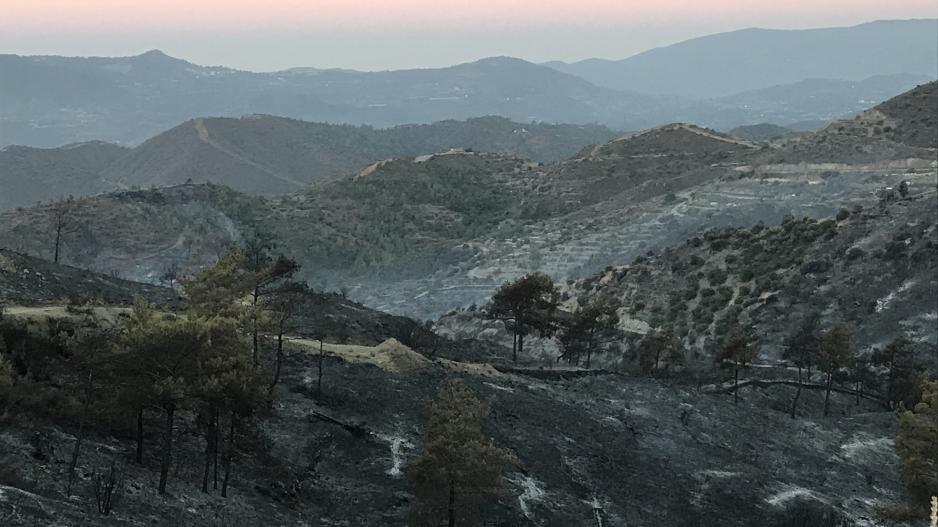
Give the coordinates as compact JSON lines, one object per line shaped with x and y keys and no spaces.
{"x":801,"y":349}
{"x":589,"y":324}
{"x":7,"y":380}
{"x":916,"y":446}
{"x":166,"y":352}
{"x":263,"y":272}
{"x":738,"y":352}
{"x":525,"y":305}
{"x":170,"y":276}
{"x":63,"y":224}
{"x":284,"y":304}
{"x":656,"y":345}
{"x":91,"y":349}
{"x":861,"y":374}
{"x":902,"y":371}
{"x":459,"y":469}
{"x":833,"y":354}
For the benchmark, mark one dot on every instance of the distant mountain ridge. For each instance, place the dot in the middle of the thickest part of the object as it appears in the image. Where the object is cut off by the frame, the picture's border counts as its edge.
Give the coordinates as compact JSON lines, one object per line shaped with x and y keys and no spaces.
{"x":714,"y":81}
{"x":750,"y":59}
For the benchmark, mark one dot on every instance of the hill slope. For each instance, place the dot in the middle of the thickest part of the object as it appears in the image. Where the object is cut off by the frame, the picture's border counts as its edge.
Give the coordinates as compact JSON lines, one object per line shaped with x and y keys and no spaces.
{"x":28,"y":175}
{"x":421,"y":235}
{"x":751,"y":59}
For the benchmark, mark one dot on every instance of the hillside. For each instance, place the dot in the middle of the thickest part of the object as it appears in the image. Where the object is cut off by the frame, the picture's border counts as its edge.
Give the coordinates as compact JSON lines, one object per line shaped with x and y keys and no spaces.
{"x":773,"y":276}
{"x":29,"y":175}
{"x":29,"y":281}
{"x":723,"y":464}
{"x":750,"y":59}
{"x":267,"y":155}
{"x":422,"y":235}
{"x":903,"y":127}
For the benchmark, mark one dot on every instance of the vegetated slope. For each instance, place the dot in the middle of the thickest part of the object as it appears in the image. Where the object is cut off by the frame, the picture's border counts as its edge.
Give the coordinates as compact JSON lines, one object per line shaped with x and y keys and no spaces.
{"x":760,"y":132}
{"x":903,"y":127}
{"x":267,"y":155}
{"x":915,"y":116}
{"x":750,"y":59}
{"x":29,"y":175}
{"x":874,"y":269}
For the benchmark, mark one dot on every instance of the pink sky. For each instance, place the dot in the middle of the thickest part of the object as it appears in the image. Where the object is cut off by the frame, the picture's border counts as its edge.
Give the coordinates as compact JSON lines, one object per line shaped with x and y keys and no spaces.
{"x":120,"y":15}
{"x":390,"y":34}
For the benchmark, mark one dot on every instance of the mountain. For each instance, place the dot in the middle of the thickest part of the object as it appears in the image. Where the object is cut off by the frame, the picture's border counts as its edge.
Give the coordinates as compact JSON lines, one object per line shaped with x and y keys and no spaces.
{"x":29,"y":175}
{"x":48,"y":101}
{"x":425,"y":234}
{"x":267,"y":155}
{"x":751,"y":59}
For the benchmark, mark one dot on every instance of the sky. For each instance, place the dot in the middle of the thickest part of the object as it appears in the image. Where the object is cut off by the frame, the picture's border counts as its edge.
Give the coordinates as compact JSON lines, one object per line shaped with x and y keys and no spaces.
{"x":269,"y":35}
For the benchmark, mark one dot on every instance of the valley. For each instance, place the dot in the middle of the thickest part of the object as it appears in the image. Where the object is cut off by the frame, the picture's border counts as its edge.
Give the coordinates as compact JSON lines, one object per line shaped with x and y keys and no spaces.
{"x":694,"y":287}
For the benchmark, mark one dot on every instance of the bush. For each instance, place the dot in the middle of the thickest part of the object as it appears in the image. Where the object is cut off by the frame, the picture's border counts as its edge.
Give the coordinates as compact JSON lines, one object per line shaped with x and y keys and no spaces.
{"x":843,"y":214}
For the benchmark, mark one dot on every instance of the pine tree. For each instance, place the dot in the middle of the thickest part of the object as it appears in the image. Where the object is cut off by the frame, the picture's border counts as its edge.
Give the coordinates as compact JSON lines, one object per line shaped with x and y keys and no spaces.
{"x":738,"y":352}
{"x":526,"y":305}
{"x":658,"y":345}
{"x":833,"y":354}
{"x":917,"y":446}
{"x":459,"y":470}
{"x":589,"y":325}
{"x":801,"y":349}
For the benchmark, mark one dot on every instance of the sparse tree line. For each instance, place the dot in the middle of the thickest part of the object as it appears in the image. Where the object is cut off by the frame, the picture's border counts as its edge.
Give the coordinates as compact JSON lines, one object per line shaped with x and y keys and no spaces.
{"x":156,"y":370}
{"x":530,"y":306}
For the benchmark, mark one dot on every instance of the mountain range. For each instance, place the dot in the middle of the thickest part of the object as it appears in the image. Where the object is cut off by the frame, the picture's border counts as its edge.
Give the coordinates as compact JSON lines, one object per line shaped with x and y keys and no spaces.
{"x":716,"y":81}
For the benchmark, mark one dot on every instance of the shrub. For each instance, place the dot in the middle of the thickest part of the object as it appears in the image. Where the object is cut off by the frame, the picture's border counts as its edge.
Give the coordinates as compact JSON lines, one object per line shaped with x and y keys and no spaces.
{"x":843,"y":214}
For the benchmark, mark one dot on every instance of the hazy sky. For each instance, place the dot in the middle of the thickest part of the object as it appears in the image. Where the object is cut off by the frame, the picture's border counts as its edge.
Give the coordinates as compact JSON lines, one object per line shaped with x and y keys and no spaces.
{"x":390,"y":34}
